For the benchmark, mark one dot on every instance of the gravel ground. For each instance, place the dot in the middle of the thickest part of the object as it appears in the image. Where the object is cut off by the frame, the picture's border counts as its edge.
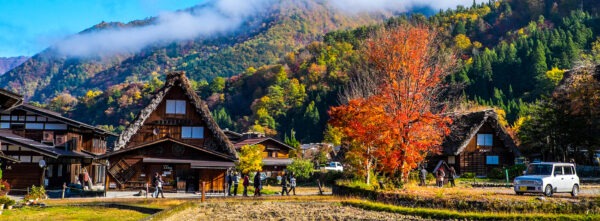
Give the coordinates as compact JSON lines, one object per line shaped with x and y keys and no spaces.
{"x":284,"y":211}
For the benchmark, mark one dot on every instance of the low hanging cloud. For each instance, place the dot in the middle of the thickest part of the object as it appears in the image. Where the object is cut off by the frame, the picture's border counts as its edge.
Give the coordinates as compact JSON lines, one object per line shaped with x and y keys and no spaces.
{"x":358,"y":6}
{"x":212,"y":18}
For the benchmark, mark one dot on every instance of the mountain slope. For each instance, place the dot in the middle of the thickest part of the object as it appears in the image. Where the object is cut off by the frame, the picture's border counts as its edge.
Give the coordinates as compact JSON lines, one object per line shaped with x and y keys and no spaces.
{"x":6,"y":64}
{"x":264,"y":38}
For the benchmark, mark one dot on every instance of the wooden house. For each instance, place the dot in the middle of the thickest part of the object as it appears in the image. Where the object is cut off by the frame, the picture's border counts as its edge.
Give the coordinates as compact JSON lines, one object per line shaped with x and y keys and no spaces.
{"x":175,"y":136}
{"x":477,"y":143}
{"x":275,"y":156}
{"x":30,"y":134}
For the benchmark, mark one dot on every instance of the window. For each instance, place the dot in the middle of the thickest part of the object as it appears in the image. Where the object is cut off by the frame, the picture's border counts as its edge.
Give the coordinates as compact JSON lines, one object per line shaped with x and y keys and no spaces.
{"x":56,"y":126}
{"x":13,"y":148}
{"x":49,"y":171}
{"x":34,"y":126}
{"x":30,"y":118}
{"x":59,"y":170}
{"x":568,"y":170}
{"x":558,"y":170}
{"x":4,"y":125}
{"x":491,"y":160}
{"x":192,"y":132}
{"x":484,"y":139}
{"x":25,"y":159}
{"x":451,"y":160}
{"x":41,"y":119}
{"x":5,"y":117}
{"x":175,"y":107}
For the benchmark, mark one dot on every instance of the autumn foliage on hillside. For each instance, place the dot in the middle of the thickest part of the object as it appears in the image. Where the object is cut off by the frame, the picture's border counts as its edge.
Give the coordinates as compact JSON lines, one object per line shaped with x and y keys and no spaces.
{"x":392,"y":119}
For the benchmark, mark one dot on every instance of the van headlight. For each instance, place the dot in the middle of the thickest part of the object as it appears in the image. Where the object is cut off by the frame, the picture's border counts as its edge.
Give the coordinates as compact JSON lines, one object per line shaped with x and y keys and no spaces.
{"x":538,"y":182}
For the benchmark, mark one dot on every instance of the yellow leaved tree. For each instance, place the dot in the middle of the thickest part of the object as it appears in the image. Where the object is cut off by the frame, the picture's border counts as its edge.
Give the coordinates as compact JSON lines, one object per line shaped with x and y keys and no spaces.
{"x":250,"y":158}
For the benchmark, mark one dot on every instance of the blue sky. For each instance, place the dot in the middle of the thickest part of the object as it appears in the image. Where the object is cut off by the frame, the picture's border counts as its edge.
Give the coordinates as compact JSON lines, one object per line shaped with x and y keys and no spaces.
{"x":29,"y":26}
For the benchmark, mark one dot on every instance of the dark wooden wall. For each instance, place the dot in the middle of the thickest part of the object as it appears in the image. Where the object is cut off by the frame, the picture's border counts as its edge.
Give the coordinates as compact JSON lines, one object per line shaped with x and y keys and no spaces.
{"x":473,"y":159}
{"x":169,"y":125}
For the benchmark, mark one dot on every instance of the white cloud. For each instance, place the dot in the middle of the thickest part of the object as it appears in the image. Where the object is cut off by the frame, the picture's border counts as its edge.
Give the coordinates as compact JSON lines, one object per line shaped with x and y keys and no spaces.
{"x":213,"y":17}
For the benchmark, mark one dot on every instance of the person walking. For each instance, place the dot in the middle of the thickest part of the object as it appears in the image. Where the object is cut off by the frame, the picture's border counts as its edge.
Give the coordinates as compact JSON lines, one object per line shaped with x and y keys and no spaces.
{"x":246,"y":183}
{"x":154,"y":184}
{"x":257,"y":184}
{"x":159,"y":186}
{"x":228,"y":183}
{"x":440,"y":174}
{"x":292,"y":184}
{"x":236,"y":182}
{"x":452,"y":174}
{"x":284,"y":185}
{"x":423,"y":176}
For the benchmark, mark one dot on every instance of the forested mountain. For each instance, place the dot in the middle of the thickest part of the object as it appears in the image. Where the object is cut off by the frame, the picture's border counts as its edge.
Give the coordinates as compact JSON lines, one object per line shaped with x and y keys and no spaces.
{"x":6,"y":64}
{"x":263,"y":39}
{"x":282,"y":77}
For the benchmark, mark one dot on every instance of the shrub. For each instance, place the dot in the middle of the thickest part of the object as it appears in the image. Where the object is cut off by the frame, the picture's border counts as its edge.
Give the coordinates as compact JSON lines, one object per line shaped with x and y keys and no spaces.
{"x":516,"y":170}
{"x":7,"y":201}
{"x":4,"y":187}
{"x":36,"y":193}
{"x":496,"y":173}
{"x":468,"y":175}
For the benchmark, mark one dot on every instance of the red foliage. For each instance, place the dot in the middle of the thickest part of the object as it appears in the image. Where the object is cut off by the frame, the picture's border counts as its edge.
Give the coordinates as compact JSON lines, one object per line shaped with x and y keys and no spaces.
{"x":401,"y":123}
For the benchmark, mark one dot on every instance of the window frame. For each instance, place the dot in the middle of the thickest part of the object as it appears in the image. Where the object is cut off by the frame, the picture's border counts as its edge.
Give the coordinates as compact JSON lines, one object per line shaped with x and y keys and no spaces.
{"x":176,"y":107}
{"x":482,"y":140}
{"x":190,"y":131}
{"x":493,"y":162}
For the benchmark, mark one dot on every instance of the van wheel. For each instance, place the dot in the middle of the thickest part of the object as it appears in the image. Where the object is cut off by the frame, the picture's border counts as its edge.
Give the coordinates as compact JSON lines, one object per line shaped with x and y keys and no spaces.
{"x":548,"y":190}
{"x":520,"y":193}
{"x":575,"y":190}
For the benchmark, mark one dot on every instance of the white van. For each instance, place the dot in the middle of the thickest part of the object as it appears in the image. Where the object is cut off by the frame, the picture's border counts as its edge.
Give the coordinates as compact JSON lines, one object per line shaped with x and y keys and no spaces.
{"x":548,"y":178}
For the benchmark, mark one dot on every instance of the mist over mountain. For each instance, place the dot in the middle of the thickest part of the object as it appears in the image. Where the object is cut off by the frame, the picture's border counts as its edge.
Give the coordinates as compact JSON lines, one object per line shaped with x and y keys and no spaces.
{"x":215,"y":38}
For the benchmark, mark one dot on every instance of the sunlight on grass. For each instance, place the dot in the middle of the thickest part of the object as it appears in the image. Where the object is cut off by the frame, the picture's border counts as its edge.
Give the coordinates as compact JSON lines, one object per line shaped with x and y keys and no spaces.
{"x":72,"y":213}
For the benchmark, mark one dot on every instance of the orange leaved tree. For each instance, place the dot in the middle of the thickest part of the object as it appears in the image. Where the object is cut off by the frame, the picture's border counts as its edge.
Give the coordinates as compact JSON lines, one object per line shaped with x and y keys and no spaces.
{"x":400,"y":122}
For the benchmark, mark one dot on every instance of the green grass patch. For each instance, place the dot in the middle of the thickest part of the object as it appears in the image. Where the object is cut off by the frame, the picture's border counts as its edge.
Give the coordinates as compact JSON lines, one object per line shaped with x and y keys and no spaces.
{"x":72,"y":213}
{"x":169,"y":212}
{"x":450,"y":214}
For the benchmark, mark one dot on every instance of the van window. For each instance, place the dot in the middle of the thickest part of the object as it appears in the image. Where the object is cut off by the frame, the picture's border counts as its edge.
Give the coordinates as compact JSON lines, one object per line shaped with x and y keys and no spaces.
{"x":568,"y":170}
{"x":558,"y":170}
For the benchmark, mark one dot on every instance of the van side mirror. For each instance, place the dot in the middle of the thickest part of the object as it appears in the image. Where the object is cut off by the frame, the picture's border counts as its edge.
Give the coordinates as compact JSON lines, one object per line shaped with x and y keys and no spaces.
{"x":524,"y":172}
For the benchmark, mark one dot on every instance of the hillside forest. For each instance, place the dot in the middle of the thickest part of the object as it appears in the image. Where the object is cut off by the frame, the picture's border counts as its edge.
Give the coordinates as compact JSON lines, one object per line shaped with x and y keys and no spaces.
{"x":511,"y":55}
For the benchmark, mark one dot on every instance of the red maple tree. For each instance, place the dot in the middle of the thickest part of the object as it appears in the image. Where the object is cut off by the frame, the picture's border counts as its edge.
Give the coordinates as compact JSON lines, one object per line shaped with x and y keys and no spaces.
{"x":402,"y":122}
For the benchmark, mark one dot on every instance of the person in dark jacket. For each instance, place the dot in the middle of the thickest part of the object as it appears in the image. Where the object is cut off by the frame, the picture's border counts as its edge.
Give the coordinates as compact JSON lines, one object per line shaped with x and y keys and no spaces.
{"x":246,"y":183}
{"x":229,"y":180}
{"x":451,"y":176}
{"x":236,"y":182}
{"x":257,"y":184}
{"x":284,"y":184}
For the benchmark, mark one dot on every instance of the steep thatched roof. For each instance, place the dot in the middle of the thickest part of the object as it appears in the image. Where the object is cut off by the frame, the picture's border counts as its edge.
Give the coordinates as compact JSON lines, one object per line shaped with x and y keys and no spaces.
{"x":9,"y":99}
{"x":572,"y":75}
{"x":178,"y":79}
{"x":466,"y":125}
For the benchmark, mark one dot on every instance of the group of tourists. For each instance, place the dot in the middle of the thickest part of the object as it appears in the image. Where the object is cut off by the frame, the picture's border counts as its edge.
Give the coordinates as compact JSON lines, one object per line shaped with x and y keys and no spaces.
{"x":233,"y":178}
{"x":440,"y":175}
{"x":285,"y":183}
{"x":232,"y":181}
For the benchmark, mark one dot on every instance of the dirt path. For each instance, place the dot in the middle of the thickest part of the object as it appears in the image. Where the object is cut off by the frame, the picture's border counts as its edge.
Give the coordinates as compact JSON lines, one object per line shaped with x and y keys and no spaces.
{"x":283,"y":211}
